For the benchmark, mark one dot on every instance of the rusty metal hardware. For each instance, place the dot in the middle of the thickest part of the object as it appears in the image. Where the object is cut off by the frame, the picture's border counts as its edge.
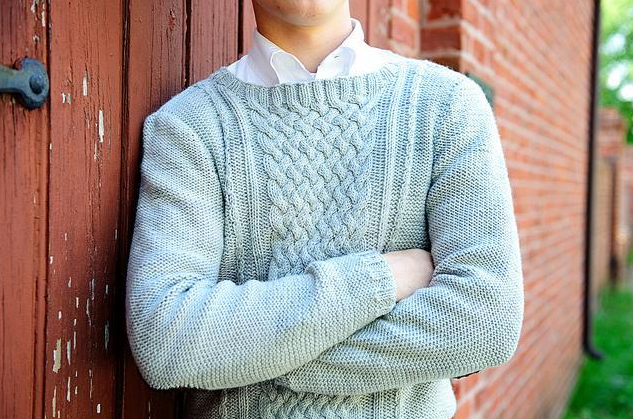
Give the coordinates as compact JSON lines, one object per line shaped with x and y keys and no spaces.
{"x":28,"y":80}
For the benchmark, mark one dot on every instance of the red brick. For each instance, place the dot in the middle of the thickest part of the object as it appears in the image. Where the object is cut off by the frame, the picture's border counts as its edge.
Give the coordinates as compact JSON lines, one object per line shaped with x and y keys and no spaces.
{"x":536,"y":58}
{"x":403,"y":31}
{"x":413,"y":9}
{"x":440,"y":38}
{"x":443,"y":8}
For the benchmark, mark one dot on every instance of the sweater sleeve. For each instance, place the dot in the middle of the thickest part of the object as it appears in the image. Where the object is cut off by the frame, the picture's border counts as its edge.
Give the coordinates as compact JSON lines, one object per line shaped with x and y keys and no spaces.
{"x":187,"y":328}
{"x":470,"y":316}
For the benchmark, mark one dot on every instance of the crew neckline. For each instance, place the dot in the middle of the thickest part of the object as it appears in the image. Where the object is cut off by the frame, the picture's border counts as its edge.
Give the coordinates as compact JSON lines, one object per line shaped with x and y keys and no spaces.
{"x":354,"y":83}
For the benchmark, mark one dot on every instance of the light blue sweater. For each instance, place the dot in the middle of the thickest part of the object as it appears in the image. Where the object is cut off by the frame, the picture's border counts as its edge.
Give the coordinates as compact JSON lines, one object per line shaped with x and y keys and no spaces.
{"x":255,"y":267}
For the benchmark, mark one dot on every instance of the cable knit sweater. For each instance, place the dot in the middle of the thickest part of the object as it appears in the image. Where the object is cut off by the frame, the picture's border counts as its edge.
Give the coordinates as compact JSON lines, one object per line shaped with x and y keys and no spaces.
{"x":255,"y":276}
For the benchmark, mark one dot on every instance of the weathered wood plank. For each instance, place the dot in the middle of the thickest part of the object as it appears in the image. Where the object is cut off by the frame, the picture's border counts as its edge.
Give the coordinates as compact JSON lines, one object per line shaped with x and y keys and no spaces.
{"x":23,"y":192}
{"x":213,"y":36}
{"x":248,"y":25}
{"x":155,"y":69}
{"x":196,"y":42}
{"x":84,"y":179}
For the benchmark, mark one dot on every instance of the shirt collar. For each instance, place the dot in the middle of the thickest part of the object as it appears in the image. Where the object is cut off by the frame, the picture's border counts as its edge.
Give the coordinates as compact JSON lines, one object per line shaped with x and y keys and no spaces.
{"x":274,"y":65}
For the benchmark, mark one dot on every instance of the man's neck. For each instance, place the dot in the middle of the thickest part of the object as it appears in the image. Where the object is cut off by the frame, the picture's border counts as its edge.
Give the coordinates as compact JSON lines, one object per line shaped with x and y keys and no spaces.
{"x":309,"y":43}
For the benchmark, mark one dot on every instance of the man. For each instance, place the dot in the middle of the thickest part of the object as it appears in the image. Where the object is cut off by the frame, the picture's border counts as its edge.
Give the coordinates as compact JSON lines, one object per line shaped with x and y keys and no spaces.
{"x":258,"y":277}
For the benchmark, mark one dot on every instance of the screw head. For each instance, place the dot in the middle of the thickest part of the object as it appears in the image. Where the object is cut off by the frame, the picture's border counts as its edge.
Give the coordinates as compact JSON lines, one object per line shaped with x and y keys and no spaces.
{"x":37,"y":84}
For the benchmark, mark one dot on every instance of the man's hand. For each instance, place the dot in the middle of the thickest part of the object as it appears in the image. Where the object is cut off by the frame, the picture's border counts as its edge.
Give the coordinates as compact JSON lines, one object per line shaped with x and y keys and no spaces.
{"x":412,"y":269}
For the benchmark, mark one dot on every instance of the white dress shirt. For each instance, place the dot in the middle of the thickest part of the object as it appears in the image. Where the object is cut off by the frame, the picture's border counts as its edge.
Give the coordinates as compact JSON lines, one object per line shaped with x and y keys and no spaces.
{"x":266,"y":64}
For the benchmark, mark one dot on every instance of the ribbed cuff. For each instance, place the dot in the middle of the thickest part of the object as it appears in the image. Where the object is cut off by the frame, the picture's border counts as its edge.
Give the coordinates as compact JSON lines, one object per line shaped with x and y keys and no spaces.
{"x":381,"y":275}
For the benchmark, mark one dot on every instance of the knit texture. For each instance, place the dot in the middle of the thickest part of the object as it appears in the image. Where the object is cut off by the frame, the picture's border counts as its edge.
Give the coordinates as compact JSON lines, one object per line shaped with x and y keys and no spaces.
{"x":255,"y":276}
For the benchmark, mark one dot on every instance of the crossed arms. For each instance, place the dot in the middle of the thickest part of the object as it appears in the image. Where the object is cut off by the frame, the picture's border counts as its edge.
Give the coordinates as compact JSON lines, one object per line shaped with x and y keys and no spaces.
{"x":336,"y":328}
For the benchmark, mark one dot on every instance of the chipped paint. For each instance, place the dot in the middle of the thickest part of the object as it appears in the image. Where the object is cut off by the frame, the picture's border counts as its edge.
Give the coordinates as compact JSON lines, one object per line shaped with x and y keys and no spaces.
{"x":98,"y":407}
{"x":68,"y":351}
{"x":75,"y":390}
{"x":33,"y":11}
{"x":106,"y":333}
{"x":101,"y":127}
{"x":116,"y":234}
{"x":88,"y":312}
{"x":85,"y":85}
{"x":68,"y":389}
{"x":54,"y":399}
{"x":66,"y":98}
{"x":92,"y":289}
{"x":76,"y":302}
{"x":57,"y":356}
{"x":74,"y":322}
{"x":95,"y":153}
{"x":106,"y":290}
{"x":65,"y":236}
{"x":50,"y":146}
{"x":59,"y":314}
{"x":50,"y":259}
{"x":74,"y":339}
{"x":90,"y":372}
{"x":70,"y":281}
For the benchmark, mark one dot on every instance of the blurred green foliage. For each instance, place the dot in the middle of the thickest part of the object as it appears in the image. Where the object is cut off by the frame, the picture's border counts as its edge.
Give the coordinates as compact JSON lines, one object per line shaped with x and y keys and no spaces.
{"x":616,"y":59}
{"x":604,"y":389}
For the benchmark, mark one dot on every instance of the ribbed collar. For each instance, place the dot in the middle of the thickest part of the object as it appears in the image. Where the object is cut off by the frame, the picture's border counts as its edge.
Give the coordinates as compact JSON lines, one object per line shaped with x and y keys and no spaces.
{"x":353,"y":88}
{"x":274,"y":65}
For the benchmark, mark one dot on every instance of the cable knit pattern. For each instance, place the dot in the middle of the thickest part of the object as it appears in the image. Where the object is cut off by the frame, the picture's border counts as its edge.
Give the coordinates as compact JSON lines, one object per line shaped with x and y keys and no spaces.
{"x":255,"y":276}
{"x":318,"y":169}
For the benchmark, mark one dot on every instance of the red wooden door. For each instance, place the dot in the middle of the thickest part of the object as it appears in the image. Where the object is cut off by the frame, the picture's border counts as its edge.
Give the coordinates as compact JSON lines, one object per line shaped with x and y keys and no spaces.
{"x":68,"y":187}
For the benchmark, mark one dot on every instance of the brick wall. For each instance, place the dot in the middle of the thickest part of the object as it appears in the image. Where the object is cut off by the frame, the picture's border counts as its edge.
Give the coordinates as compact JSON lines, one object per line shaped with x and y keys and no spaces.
{"x":611,"y":153}
{"x":602,"y":223}
{"x":627,"y":180}
{"x":536,"y":56}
